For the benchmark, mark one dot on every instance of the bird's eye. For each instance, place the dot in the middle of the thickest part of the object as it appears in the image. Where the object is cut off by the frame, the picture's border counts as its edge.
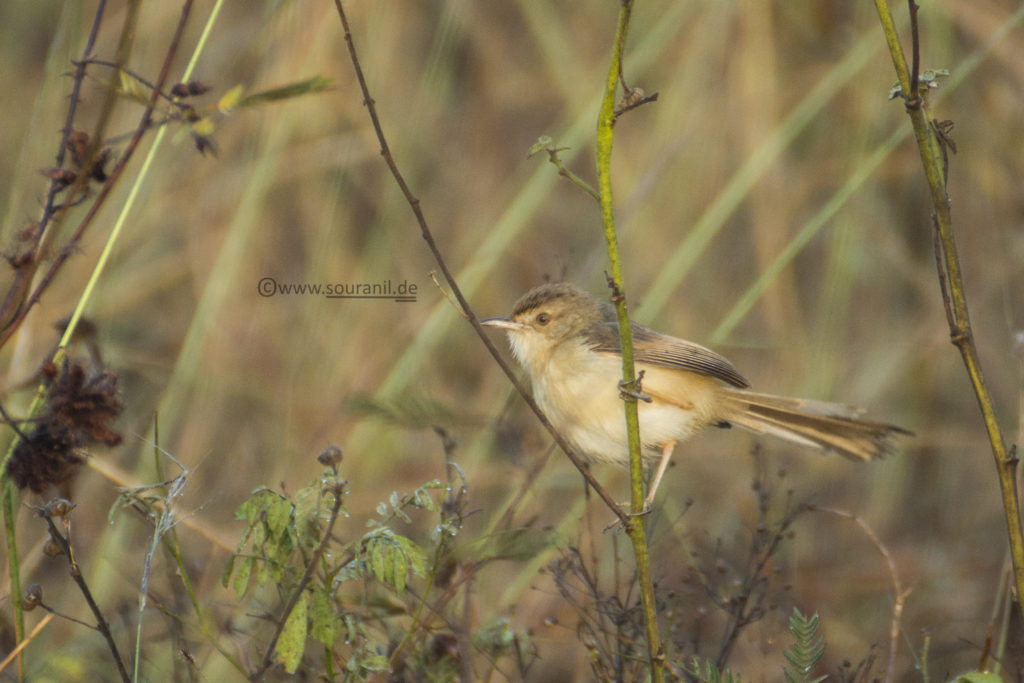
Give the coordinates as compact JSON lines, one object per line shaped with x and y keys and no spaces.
{"x":543,"y":318}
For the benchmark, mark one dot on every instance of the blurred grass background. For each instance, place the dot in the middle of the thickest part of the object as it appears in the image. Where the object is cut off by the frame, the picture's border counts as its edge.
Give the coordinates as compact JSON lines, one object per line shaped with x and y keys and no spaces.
{"x":767,"y":112}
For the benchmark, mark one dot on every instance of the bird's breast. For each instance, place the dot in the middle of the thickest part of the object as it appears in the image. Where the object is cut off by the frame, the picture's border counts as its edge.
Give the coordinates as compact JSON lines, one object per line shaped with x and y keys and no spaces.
{"x":578,"y":390}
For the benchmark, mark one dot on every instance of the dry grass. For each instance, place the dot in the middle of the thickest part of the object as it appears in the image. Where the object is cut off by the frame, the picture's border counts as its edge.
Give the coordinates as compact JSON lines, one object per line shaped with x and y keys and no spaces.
{"x":250,"y":389}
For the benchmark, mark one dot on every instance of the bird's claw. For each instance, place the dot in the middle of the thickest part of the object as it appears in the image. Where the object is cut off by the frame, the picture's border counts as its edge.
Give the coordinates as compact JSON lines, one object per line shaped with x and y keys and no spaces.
{"x":618,"y":523}
{"x":626,"y":389}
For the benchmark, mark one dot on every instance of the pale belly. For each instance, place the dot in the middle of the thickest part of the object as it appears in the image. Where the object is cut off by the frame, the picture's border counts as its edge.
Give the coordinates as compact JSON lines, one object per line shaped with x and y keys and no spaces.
{"x":586,"y":409}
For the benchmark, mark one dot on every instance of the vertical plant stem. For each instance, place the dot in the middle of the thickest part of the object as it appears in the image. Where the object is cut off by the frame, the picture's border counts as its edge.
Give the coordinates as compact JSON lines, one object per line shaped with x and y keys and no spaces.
{"x":637,"y":533}
{"x":13,"y":565}
{"x":11,"y":308}
{"x":951,"y":279}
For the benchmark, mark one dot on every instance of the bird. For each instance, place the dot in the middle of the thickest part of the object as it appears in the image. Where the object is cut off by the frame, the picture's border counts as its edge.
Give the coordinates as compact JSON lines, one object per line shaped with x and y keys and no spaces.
{"x":568,"y":342}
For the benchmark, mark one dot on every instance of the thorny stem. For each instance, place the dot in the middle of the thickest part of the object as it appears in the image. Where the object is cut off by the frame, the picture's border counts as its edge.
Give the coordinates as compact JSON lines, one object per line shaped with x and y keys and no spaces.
{"x":16,"y":306}
{"x":115,"y":174}
{"x":14,"y":300}
{"x":428,"y":237}
{"x":11,"y":310}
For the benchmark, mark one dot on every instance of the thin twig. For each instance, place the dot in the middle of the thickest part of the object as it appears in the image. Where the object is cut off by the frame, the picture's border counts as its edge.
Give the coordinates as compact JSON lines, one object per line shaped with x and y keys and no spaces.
{"x":138,"y":77}
{"x":24,"y":643}
{"x":899,"y":593}
{"x":447,"y":296}
{"x":914,"y":96}
{"x":112,"y":178}
{"x":76,"y":573}
{"x":13,"y":423}
{"x":947,"y":304}
{"x":428,"y":237}
{"x":546,"y":144}
{"x":165,"y":521}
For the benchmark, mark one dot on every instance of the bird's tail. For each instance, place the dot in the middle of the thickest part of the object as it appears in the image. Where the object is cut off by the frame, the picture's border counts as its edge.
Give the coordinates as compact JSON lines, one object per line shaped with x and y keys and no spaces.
{"x":824,"y":426}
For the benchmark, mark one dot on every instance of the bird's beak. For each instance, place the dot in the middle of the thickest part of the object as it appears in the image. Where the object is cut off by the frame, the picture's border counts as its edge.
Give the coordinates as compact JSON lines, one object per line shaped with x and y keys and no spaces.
{"x":504,"y":323}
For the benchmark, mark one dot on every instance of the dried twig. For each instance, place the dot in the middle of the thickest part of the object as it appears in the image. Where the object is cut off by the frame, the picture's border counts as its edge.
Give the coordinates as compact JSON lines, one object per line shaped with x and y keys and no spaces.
{"x":428,"y":237}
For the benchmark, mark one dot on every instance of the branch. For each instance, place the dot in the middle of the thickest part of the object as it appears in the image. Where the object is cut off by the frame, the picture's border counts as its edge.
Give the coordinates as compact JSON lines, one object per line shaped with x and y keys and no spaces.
{"x":76,"y":573}
{"x":428,"y":237}
{"x":115,"y":174}
{"x":951,"y":283}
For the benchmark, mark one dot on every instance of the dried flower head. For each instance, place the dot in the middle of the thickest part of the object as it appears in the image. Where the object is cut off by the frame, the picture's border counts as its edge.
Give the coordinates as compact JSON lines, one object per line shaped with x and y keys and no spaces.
{"x":78,"y":412}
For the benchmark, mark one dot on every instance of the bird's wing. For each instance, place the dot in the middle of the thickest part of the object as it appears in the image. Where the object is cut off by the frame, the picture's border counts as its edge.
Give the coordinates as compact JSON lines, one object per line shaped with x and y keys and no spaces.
{"x":666,"y":351}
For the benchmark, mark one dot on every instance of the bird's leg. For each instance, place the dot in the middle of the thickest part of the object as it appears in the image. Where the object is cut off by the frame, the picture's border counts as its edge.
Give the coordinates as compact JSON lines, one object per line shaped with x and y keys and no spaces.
{"x":666,"y":456}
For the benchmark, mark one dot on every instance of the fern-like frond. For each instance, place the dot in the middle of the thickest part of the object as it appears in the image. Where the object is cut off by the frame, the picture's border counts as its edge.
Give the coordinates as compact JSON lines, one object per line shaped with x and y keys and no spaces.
{"x":705,"y":671}
{"x":806,"y":651}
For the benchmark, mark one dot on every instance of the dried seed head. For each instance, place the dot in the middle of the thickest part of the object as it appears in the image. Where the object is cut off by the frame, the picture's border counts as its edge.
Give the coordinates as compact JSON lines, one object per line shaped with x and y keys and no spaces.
{"x":32,"y":598}
{"x":330,"y":456}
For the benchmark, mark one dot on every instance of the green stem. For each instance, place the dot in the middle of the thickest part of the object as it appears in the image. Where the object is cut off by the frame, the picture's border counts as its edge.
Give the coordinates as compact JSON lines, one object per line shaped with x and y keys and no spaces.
{"x":637,"y":533}
{"x":13,"y":565}
{"x":952,"y":286}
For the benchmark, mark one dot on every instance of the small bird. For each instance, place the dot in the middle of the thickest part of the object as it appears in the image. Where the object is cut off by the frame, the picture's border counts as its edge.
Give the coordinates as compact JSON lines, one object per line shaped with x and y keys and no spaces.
{"x":568,"y":342}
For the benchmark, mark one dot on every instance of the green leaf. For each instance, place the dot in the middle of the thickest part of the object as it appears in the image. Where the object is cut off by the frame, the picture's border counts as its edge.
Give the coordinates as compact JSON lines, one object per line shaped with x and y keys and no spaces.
{"x":389,"y":557}
{"x":495,"y":638}
{"x":375,"y":662}
{"x":417,"y":558}
{"x":929,"y":78}
{"x":230,"y":100}
{"x":325,"y":624}
{"x":312,"y":85}
{"x":258,"y":535}
{"x":398,"y":567}
{"x":979,"y":677}
{"x":243,"y":511}
{"x":292,"y":642}
{"x":279,"y":514}
{"x":252,"y":509}
{"x":377,"y":560}
{"x":241,"y":582}
{"x":225,"y":579}
{"x":543,"y":143}
{"x":263,"y":573}
{"x":400,"y":513}
{"x":131,"y":88}
{"x":312,"y":508}
{"x":204,"y":127}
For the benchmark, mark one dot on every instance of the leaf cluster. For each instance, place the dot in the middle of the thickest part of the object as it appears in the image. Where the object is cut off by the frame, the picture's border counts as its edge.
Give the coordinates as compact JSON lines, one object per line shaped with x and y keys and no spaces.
{"x":361,"y":599}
